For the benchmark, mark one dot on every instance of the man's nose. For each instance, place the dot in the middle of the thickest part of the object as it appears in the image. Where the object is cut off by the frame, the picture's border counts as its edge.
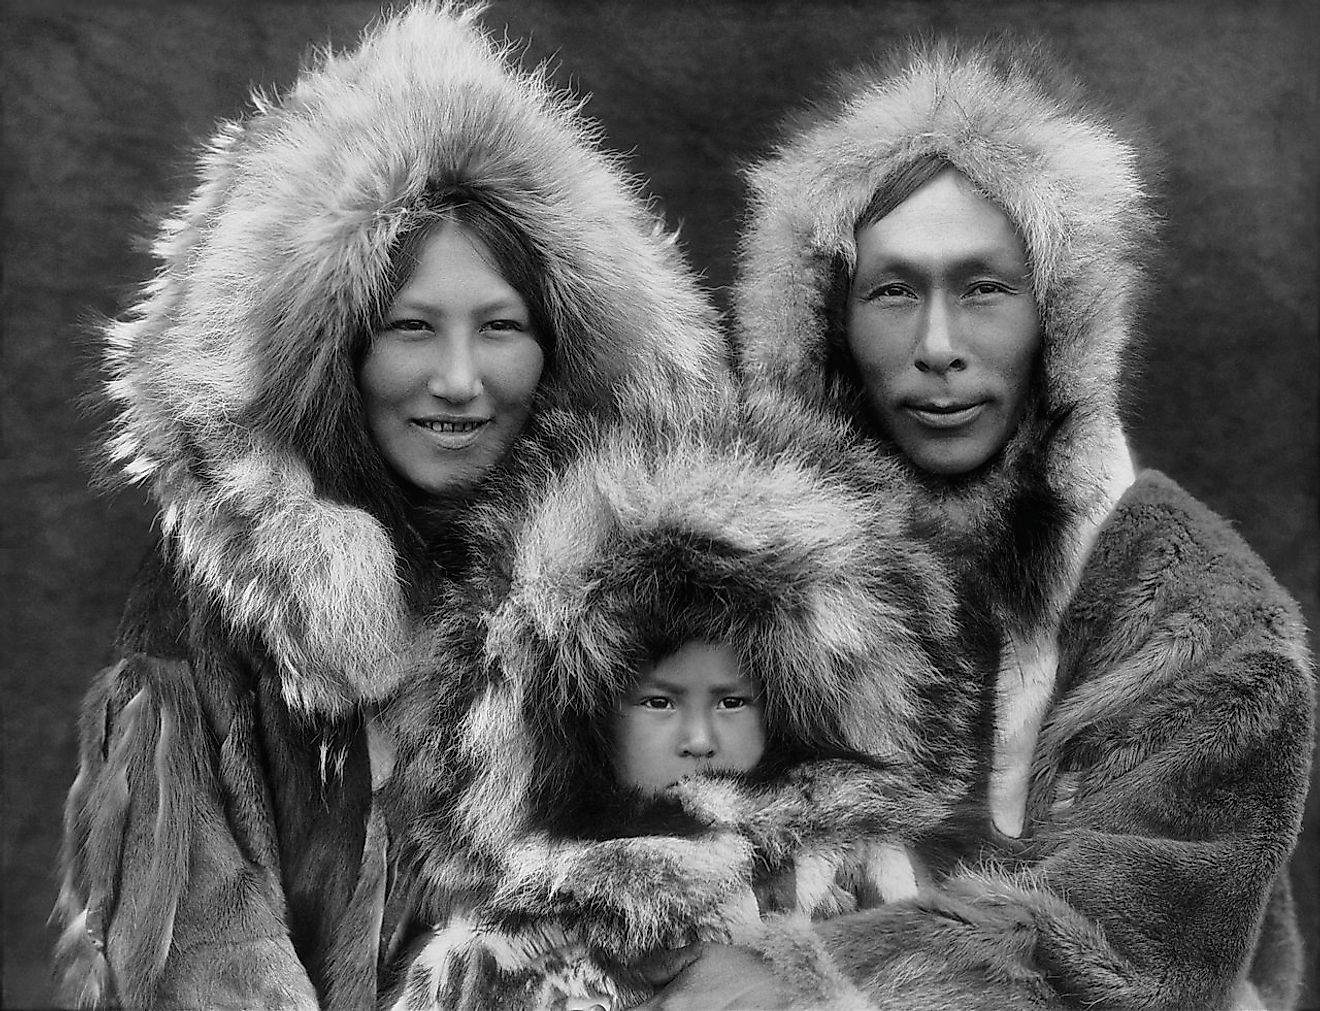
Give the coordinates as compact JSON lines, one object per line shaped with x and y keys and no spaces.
{"x":937,"y":349}
{"x":455,"y":375}
{"x":698,"y":737}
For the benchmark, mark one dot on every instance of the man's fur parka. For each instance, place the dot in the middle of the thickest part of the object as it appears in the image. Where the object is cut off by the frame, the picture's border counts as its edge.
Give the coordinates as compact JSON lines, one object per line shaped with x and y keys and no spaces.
{"x":221,"y":846}
{"x":1153,"y":703}
{"x":778,"y":534}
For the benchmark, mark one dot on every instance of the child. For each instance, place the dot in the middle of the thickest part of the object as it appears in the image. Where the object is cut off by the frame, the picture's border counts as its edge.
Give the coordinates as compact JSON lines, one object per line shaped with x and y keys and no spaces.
{"x":718,"y":694}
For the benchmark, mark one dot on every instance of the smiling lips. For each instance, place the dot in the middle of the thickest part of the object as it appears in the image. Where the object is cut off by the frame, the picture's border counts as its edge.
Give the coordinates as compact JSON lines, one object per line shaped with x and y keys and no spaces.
{"x":453,"y":433}
{"x":945,"y":414}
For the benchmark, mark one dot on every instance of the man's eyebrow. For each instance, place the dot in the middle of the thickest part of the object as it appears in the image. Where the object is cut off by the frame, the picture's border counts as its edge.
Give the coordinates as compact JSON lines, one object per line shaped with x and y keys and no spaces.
{"x":994,"y":261}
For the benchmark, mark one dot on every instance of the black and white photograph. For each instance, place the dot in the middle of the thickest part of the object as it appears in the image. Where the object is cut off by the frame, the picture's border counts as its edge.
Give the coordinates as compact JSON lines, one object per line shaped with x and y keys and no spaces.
{"x":676,"y":505}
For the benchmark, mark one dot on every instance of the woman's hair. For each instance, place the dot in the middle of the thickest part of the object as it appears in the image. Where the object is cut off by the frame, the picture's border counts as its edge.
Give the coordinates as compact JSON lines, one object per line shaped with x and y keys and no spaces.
{"x":518,"y":261}
{"x":358,"y":473}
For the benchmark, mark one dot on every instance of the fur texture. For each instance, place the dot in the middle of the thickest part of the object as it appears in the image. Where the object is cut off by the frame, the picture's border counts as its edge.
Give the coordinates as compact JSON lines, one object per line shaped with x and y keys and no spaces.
{"x":777,"y":535}
{"x":1154,"y":696}
{"x":237,"y":363}
{"x":220,"y":844}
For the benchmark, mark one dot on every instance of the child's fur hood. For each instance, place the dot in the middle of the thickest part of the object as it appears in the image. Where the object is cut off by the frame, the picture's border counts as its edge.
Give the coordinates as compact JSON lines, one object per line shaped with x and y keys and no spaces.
{"x":233,"y":378}
{"x":781,"y":535}
{"x":1005,"y":116}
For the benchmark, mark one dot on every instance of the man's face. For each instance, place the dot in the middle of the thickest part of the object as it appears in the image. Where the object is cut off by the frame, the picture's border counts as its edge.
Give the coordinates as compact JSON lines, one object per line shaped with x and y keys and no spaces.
{"x":942,"y":325}
{"x":693,"y":711}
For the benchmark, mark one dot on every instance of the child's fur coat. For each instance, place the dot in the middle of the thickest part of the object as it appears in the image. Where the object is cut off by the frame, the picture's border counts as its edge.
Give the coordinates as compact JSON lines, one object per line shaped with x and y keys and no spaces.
{"x":778,"y":535}
{"x":222,"y":848}
{"x":1153,"y":706}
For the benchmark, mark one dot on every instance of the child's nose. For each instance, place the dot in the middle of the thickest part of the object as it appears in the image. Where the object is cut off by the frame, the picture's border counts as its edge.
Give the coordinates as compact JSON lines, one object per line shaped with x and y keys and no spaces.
{"x":698,"y":739}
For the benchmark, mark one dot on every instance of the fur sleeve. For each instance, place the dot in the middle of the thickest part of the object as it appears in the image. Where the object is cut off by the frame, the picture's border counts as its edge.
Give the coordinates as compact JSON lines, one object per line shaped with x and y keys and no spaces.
{"x":160,"y":905}
{"x":1168,"y":793}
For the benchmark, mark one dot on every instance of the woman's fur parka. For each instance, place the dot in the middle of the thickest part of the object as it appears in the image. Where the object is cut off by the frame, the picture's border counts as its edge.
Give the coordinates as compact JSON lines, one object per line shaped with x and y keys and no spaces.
{"x":221,"y":846}
{"x":1152,"y":708}
{"x":778,"y":534}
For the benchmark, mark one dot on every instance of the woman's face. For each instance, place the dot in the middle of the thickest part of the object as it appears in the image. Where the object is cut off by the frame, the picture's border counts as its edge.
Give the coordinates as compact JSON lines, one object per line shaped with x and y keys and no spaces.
{"x":942,"y":325}
{"x":448,"y":381}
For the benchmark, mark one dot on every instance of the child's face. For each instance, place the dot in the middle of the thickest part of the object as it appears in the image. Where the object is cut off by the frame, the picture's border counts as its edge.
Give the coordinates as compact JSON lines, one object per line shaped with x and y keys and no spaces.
{"x":693,"y":711}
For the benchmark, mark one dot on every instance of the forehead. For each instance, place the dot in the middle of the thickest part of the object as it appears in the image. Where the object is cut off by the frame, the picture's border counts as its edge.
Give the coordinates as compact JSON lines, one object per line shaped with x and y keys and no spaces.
{"x":451,"y":260}
{"x":944,"y":221}
{"x":698,"y":664}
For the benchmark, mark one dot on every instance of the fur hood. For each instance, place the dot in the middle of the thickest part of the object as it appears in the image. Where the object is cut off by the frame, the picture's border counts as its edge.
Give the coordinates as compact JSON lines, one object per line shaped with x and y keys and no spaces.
{"x":794,"y":550}
{"x":1016,"y":127}
{"x":233,"y":378}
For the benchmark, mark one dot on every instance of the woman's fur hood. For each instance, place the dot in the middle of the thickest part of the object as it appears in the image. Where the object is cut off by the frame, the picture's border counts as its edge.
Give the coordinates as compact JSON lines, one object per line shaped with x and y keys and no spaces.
{"x":795,"y":551}
{"x":1016,"y":126}
{"x":233,"y":377}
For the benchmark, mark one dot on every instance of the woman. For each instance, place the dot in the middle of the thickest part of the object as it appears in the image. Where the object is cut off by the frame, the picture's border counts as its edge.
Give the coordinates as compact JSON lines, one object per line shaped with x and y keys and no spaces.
{"x":949,"y":258}
{"x":399,"y":298}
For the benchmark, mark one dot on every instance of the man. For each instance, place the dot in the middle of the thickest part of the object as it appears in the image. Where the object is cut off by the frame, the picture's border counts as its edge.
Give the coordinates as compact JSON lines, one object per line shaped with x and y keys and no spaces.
{"x":950,"y":260}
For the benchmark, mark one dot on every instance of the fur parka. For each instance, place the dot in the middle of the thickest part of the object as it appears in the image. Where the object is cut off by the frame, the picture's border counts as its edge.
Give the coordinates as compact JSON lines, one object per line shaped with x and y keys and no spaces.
{"x":535,"y":872}
{"x":221,"y":844}
{"x":1152,"y":708}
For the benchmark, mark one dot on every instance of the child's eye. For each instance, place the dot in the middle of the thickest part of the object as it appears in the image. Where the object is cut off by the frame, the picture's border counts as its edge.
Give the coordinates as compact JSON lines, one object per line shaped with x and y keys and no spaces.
{"x":657,"y":702}
{"x":735,"y":702}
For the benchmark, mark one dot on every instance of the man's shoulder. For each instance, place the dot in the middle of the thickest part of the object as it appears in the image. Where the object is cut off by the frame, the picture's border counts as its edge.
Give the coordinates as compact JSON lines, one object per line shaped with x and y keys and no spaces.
{"x":1162,"y":549}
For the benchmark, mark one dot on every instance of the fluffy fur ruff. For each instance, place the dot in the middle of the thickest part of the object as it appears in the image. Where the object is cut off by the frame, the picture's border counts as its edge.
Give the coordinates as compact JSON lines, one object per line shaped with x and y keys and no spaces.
{"x":1009,"y":121}
{"x":1154,"y":697}
{"x":522,"y":845}
{"x":233,"y":377}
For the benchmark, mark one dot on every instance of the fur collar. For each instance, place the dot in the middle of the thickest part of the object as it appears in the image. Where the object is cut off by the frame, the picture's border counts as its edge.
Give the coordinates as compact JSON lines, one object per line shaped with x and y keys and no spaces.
{"x":780,"y":534}
{"x":233,"y":377}
{"x":1006,"y":117}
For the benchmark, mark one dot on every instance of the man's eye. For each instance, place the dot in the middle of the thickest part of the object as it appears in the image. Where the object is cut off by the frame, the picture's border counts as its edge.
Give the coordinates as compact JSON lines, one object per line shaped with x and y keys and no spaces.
{"x":987,"y":288}
{"x":890,"y":291}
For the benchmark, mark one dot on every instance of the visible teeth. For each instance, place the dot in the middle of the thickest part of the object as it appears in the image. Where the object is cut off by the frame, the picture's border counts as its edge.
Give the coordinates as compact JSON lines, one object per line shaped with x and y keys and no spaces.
{"x":451,"y":426}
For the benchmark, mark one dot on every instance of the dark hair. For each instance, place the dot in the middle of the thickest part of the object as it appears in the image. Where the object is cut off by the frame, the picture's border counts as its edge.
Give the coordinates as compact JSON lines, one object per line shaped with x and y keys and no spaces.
{"x":496,"y":227}
{"x":840,"y":369}
{"x":346,"y":463}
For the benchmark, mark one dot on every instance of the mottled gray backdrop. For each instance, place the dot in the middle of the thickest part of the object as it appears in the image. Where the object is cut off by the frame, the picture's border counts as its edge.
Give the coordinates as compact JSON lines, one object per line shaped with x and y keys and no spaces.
{"x":101,"y":97}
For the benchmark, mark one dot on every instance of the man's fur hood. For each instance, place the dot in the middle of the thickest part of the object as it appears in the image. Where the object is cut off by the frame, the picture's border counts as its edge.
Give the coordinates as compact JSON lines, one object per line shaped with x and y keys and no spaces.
{"x":794,"y":550}
{"x":1009,"y":120}
{"x":233,"y":377}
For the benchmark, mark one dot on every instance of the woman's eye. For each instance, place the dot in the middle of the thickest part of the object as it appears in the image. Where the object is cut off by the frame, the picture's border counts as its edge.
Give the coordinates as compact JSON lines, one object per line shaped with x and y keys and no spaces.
{"x":983,"y":288}
{"x":407,"y":325}
{"x":505,"y":325}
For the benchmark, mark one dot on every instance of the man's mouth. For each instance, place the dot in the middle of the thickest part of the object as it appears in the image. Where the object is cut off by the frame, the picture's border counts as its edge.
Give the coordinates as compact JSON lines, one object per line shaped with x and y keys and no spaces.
{"x":945,"y":413}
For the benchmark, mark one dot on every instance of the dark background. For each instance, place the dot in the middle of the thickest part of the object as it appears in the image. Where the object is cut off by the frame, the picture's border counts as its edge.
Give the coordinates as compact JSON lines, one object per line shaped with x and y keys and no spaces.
{"x":100,"y":99}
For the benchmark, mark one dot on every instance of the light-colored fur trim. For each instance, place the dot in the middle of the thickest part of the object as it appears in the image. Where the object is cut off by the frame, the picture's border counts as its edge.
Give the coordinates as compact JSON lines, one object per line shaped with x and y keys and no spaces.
{"x":1066,"y":181}
{"x":272,"y":268}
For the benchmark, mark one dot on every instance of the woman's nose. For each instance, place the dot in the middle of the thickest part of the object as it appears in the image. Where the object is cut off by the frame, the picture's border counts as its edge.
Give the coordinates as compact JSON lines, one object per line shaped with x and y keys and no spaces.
{"x":455,"y":373}
{"x":698,"y":740}
{"x":936,"y":347}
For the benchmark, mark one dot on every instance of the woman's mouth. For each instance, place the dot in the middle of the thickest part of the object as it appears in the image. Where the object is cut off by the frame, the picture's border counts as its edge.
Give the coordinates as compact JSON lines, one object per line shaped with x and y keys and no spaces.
{"x":453,"y":433}
{"x":945,"y":414}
